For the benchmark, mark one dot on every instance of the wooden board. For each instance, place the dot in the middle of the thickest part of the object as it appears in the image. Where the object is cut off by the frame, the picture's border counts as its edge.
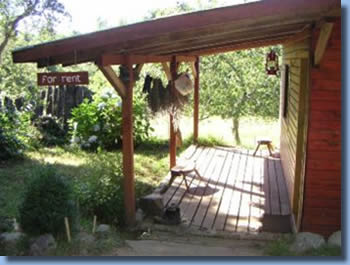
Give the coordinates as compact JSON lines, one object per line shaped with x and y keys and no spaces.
{"x":231,"y":195}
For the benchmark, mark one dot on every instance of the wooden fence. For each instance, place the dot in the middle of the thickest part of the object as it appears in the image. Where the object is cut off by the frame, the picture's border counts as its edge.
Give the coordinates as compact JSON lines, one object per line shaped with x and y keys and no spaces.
{"x":55,"y":101}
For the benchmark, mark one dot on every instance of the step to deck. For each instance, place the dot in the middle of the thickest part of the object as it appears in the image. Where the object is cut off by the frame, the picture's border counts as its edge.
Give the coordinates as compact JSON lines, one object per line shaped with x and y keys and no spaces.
{"x":277,"y":223}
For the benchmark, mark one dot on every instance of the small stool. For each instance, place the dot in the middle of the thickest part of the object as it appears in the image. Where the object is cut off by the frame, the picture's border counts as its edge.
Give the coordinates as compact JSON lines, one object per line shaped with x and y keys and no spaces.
{"x":183,"y":170}
{"x":266,"y":142}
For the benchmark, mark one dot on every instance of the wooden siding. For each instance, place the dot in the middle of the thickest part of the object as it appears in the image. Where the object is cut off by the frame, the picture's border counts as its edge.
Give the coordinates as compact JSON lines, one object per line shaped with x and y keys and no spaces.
{"x":294,"y":125}
{"x":322,"y":200}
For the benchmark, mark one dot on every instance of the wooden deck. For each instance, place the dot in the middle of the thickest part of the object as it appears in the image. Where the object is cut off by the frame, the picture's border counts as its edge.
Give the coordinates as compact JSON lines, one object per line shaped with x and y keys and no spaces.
{"x":235,"y":193}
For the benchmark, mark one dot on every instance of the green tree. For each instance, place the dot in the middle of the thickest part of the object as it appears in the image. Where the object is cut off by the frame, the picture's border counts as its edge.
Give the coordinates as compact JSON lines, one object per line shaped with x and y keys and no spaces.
{"x":43,"y":13}
{"x":235,"y":84}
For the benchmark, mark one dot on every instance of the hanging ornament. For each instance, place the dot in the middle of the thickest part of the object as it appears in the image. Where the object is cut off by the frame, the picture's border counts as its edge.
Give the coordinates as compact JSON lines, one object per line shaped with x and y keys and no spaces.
{"x":271,"y":65}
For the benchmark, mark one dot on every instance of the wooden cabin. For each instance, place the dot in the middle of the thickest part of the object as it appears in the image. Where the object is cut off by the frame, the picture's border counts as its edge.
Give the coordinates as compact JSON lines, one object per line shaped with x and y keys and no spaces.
{"x":310,"y":32}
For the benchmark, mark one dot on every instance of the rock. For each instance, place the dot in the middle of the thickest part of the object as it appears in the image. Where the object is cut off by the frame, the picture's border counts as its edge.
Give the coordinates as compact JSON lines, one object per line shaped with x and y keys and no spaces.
{"x":43,"y":245}
{"x":152,"y":204}
{"x":85,"y":242}
{"x":139,"y":215}
{"x":335,"y":239}
{"x":305,"y":241}
{"x":85,"y":238}
{"x":6,"y":224}
{"x":103,"y":230}
{"x":11,"y":243}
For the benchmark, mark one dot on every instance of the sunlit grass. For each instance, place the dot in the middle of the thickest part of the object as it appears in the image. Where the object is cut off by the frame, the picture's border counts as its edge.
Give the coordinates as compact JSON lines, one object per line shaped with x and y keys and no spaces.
{"x":219,"y":130}
{"x":281,"y":247}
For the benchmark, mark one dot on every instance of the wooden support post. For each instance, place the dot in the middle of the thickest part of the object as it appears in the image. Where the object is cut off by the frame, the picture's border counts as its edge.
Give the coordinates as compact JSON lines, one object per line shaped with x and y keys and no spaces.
{"x":172,"y":148}
{"x":128,"y":149}
{"x":196,"y":102}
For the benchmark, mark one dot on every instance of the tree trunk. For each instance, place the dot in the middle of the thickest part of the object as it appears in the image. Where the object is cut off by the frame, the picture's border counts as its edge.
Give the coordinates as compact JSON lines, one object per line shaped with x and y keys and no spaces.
{"x":235,"y":130}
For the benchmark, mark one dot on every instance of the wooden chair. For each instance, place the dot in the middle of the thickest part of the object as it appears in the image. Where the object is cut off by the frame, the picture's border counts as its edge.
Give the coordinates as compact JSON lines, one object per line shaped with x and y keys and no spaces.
{"x":183,"y":169}
{"x":266,"y":142}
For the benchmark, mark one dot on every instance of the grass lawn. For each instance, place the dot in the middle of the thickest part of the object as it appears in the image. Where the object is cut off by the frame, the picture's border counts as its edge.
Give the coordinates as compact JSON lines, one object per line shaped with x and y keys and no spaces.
{"x":151,"y":160}
{"x":151,"y":166}
{"x":251,"y":128}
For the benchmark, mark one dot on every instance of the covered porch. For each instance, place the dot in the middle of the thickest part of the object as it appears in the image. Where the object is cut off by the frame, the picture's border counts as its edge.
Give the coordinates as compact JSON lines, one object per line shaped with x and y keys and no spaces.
{"x":236,"y":191}
{"x":241,"y":188}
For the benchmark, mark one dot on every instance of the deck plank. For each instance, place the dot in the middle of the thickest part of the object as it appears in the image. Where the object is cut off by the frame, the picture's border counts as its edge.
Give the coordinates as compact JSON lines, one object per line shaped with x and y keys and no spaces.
{"x":233,"y":215}
{"x":197,"y":188}
{"x":215,"y":199}
{"x":199,"y":157}
{"x":256,"y":204}
{"x":244,"y":206}
{"x":266,"y":187}
{"x":168,"y":195}
{"x":246,"y":188}
{"x":182,"y":190}
{"x":284,"y":199}
{"x":275,"y":198}
{"x":210,"y":187}
{"x":186,"y":204}
{"x":227,"y":194}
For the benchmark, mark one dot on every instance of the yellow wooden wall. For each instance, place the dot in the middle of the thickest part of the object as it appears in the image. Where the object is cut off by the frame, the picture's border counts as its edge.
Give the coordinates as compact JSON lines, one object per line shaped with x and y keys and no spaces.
{"x":294,"y":126}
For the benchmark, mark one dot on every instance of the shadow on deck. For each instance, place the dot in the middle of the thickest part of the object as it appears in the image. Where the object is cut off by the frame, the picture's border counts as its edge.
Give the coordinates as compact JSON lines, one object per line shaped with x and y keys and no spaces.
{"x":237,"y":192}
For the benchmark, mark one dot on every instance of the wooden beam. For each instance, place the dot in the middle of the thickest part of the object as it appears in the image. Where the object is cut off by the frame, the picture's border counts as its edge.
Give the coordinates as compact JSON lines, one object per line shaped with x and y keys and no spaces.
{"x":193,"y":69}
{"x":172,"y":144}
{"x":304,"y":34}
{"x":167,"y":70}
{"x":325,"y":34}
{"x":229,"y":47}
{"x":112,"y":59}
{"x":196,"y":101}
{"x":128,"y":150}
{"x":114,"y":80}
{"x":138,"y":69}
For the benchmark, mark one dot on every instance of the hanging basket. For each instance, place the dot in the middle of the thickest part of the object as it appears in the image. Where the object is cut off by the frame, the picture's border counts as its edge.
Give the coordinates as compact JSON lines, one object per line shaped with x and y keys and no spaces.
{"x":183,"y":84}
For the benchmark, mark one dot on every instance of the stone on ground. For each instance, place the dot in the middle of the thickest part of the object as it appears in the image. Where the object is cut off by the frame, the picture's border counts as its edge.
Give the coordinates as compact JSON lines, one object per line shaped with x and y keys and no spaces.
{"x":305,"y":241}
{"x":335,"y":239}
{"x":139,"y":215}
{"x":6,"y":224}
{"x":85,"y":239}
{"x":10,"y":243}
{"x":103,"y":230}
{"x":85,"y":242}
{"x":43,"y":245}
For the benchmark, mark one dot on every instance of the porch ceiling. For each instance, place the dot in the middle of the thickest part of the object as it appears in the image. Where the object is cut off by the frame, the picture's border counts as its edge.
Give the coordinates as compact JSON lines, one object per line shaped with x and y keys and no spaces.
{"x":200,"y":33}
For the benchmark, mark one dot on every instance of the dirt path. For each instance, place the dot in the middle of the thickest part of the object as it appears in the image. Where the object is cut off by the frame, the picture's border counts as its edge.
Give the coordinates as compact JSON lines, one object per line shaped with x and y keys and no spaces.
{"x":166,"y":244}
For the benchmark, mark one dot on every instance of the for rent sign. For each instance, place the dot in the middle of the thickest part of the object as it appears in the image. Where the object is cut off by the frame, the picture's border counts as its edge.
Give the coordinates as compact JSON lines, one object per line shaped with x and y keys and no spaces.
{"x":58,"y":79}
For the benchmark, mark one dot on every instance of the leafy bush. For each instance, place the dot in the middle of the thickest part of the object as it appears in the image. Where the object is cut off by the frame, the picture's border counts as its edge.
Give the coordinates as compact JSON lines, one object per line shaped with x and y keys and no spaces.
{"x":10,"y":143}
{"x":100,"y":190}
{"x":48,"y":199}
{"x":99,"y":123}
{"x":51,"y":131}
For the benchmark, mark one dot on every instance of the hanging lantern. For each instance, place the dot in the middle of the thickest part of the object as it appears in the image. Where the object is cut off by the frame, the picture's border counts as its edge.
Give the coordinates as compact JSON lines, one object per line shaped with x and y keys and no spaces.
{"x":271,"y":65}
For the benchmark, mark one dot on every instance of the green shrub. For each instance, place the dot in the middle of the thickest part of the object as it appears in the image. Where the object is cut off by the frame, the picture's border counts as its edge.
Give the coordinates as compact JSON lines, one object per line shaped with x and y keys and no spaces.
{"x":100,"y":190}
{"x":48,"y":199}
{"x":51,"y":131}
{"x":99,"y":123}
{"x":10,"y":143}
